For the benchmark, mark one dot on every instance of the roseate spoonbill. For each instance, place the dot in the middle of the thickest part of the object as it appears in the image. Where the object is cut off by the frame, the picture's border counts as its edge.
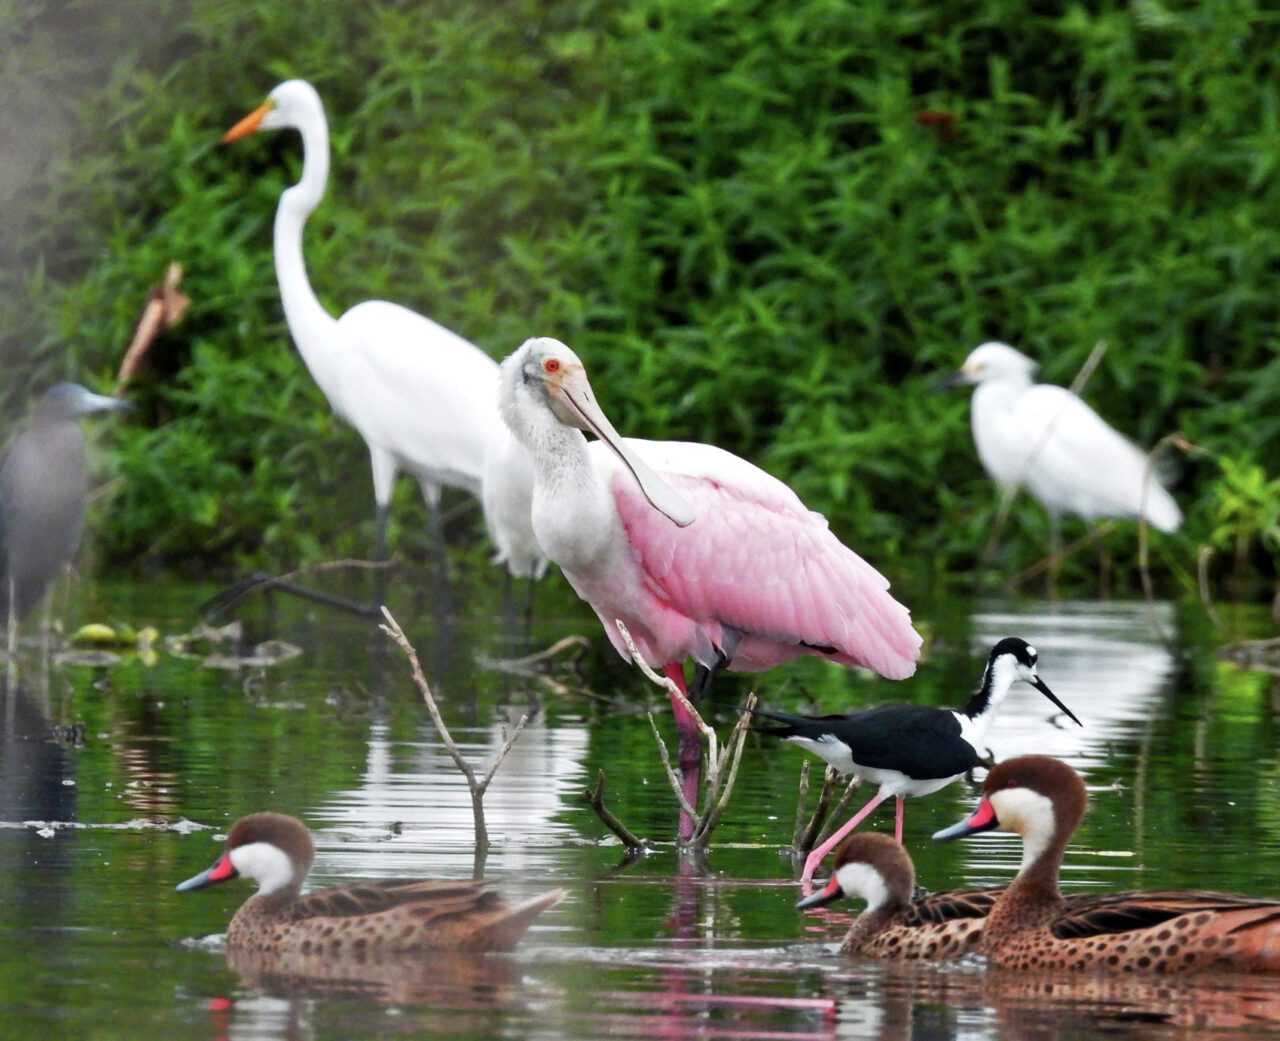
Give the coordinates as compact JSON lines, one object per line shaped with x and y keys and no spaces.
{"x":1045,"y":438}
{"x":700,"y":554}
{"x":375,"y":917}
{"x":422,"y":397}
{"x":1031,"y":926}
{"x":43,"y":488}
{"x":911,"y":750}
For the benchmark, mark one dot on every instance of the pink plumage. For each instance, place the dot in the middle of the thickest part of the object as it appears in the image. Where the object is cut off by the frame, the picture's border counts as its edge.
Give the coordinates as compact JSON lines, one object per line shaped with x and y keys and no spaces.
{"x":756,"y":560}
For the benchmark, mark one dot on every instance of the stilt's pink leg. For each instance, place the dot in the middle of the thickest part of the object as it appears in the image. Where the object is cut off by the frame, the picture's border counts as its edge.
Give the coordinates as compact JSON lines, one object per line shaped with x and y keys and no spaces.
{"x":897,"y":829}
{"x":690,"y":749}
{"x":815,"y":858}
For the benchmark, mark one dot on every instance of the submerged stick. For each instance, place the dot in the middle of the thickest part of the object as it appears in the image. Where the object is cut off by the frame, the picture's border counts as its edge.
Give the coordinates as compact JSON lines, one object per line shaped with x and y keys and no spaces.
{"x":595,"y":799}
{"x":476,"y":787}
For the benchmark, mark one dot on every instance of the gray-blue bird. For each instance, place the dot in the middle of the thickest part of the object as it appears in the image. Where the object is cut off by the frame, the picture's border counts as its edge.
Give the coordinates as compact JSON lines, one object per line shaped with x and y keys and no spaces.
{"x":43,"y":489}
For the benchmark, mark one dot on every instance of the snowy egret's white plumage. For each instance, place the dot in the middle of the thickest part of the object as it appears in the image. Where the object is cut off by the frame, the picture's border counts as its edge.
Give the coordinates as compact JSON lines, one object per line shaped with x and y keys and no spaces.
{"x":1047,"y":439}
{"x":423,"y":398}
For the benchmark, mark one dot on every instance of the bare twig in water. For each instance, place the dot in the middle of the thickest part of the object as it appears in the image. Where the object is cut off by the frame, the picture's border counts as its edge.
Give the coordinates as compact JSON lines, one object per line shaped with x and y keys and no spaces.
{"x":476,"y":787}
{"x":1011,"y":492}
{"x":1202,"y":582}
{"x":802,"y":797}
{"x":1054,"y":560}
{"x":722,"y":763}
{"x":807,"y":838}
{"x":530,"y":662}
{"x":595,"y":799}
{"x":334,"y":565}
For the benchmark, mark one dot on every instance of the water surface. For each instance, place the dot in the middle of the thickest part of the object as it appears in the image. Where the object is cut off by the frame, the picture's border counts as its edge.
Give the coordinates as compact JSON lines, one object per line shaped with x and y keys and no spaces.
{"x":119,"y":781}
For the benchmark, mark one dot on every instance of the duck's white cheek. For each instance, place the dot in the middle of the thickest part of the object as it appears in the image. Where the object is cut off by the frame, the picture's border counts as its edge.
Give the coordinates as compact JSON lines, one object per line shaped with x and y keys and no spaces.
{"x":266,"y":864}
{"x":1028,"y":813}
{"x":862,"y":880}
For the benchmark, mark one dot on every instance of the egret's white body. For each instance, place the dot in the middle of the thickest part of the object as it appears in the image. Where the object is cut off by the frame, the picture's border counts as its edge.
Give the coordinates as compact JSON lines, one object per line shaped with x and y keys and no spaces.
{"x":1045,"y":438}
{"x":700,"y":554}
{"x":423,"y":398}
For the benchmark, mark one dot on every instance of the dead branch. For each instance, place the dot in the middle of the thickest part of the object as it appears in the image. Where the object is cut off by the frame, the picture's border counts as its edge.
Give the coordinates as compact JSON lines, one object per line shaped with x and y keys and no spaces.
{"x":806,"y":840}
{"x":721,"y":763}
{"x":1053,"y":560}
{"x":802,"y":797}
{"x":595,"y":799}
{"x":477,"y":788}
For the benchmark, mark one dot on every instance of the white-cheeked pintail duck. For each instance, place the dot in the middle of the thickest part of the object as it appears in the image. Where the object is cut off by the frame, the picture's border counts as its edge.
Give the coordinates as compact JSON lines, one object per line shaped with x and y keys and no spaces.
{"x":385,"y":917}
{"x":895,"y":925}
{"x":1031,"y":926}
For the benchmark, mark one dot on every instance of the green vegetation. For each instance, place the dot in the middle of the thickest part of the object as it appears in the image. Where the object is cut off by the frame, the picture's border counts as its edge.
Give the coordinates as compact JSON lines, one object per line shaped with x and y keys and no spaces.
{"x":770,"y":226}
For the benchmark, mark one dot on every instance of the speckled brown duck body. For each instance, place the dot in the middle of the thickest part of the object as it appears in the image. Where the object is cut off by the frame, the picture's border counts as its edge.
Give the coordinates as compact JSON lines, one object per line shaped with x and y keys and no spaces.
{"x":1032,"y":927}
{"x":895,"y":926}
{"x":386,"y":917}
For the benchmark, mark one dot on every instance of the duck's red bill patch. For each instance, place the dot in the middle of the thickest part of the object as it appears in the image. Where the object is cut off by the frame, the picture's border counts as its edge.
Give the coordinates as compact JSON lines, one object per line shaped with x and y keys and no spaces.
{"x":223,"y":869}
{"x":983,"y":819}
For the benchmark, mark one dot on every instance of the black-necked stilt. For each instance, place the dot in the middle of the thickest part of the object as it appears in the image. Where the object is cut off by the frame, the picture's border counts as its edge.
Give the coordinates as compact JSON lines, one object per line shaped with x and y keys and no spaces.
{"x":911,"y":749}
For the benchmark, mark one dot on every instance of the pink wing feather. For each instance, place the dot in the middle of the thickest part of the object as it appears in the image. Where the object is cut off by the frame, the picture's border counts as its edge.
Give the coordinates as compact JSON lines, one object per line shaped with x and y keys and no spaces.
{"x":758,"y":560}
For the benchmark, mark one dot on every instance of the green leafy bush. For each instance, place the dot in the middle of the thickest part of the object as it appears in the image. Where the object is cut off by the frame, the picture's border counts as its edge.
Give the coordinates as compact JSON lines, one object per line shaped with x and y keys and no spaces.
{"x":771,"y":226}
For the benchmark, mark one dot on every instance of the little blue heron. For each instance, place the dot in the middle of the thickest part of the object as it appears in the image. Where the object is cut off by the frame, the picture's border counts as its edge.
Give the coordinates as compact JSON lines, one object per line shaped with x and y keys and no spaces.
{"x":43,"y":488}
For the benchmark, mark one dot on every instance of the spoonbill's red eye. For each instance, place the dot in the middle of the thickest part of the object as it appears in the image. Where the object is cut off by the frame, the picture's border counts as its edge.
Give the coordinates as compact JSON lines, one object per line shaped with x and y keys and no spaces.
{"x":551,"y":365}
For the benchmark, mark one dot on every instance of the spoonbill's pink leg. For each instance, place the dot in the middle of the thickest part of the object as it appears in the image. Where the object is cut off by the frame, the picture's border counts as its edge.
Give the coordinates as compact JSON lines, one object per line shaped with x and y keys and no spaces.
{"x":690,"y":749}
{"x":897,"y":830}
{"x":815,"y":858}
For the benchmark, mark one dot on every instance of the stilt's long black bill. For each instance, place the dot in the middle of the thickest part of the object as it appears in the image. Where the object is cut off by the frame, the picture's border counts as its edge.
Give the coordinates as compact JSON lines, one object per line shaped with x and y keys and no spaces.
{"x":1043,"y":688}
{"x":983,"y":819}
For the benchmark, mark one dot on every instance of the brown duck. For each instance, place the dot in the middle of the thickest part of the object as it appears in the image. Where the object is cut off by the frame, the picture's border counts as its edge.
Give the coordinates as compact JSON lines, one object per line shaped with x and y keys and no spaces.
{"x":377,"y":917}
{"x":875,"y":868}
{"x":1166,"y":931}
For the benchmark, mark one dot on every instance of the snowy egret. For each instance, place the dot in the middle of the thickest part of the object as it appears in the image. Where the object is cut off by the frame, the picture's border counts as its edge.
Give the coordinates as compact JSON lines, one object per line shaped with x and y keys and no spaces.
{"x":1045,"y":438}
{"x":704,"y":556}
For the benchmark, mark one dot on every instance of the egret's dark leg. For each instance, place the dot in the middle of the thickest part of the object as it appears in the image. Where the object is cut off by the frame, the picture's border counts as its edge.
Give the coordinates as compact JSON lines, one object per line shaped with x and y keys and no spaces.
{"x":380,"y":554}
{"x":690,"y":749}
{"x":441,"y":557}
{"x":1104,"y":560}
{"x":528,"y":607}
{"x":1055,"y":552}
{"x":13,"y":618}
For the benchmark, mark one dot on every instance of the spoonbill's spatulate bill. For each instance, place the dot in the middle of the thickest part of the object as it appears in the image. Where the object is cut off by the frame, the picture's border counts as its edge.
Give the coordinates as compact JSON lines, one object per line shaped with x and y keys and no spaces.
{"x":700,"y":554}
{"x":1046,"y":439}
{"x":422,"y":397}
{"x":43,"y":490}
{"x":911,"y":750}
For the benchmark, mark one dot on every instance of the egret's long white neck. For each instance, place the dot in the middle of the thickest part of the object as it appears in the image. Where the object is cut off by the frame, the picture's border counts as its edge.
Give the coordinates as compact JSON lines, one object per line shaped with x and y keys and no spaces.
{"x":306,"y":316}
